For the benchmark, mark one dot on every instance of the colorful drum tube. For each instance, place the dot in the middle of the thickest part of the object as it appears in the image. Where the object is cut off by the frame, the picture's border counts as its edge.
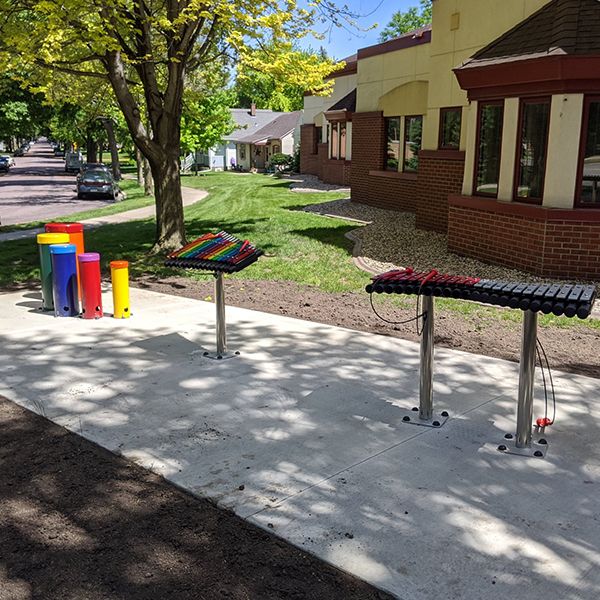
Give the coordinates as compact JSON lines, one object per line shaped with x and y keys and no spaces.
{"x":119,"y":274}
{"x":75,"y":233}
{"x":44,"y":241}
{"x":89,"y":281}
{"x":64,"y":280}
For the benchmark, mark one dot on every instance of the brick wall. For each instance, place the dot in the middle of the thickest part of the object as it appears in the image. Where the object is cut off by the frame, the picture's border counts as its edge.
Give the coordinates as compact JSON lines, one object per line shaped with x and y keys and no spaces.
{"x":440,"y":175}
{"x":309,"y":162}
{"x":547,"y":242}
{"x":370,"y":183}
{"x":336,"y":171}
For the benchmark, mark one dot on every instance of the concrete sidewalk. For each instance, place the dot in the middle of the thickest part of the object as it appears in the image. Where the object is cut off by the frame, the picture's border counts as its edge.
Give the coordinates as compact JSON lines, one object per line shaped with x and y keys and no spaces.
{"x":190,"y":196}
{"x":301,"y":435}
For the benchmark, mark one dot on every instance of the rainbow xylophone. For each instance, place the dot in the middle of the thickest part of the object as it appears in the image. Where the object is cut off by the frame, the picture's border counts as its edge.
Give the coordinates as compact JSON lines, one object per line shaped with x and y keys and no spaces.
{"x":568,"y":299}
{"x":220,"y":252}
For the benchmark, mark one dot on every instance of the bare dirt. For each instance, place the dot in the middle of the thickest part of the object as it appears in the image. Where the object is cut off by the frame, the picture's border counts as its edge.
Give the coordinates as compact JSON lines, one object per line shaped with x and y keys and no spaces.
{"x":573,"y":349}
{"x":80,"y":523}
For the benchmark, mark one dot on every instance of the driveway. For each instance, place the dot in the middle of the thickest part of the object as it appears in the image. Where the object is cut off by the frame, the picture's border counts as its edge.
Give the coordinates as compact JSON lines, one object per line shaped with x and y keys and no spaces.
{"x":37,"y":189}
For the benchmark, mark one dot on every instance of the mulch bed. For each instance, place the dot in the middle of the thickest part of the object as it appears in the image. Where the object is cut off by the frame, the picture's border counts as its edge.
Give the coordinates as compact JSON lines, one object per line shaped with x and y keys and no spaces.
{"x":80,"y":523}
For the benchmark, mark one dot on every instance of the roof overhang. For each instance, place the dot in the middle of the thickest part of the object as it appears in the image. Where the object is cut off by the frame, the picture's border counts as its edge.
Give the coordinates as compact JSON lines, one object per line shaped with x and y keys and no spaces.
{"x":525,"y":76}
{"x":338,"y":115}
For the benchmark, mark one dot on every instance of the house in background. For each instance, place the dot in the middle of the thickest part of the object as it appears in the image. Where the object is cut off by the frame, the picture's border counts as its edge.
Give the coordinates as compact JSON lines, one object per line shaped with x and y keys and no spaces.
{"x":238,"y":148}
{"x":255,"y":147}
{"x":486,"y":125}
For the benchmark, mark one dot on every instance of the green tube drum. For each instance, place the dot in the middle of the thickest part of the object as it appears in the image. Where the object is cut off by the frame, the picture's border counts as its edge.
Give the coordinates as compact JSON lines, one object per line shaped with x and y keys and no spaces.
{"x":44,"y":241}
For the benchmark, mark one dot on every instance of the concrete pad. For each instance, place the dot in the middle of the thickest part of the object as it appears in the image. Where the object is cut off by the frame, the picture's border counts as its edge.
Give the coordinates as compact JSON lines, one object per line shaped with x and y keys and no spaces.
{"x":302,"y":435}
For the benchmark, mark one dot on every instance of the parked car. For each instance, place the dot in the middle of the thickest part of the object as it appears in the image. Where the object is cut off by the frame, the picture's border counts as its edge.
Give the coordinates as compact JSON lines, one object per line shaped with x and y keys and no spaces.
{"x":58,"y":151}
{"x":10,"y":159}
{"x":4,"y":166}
{"x":19,"y":152}
{"x":97,"y":183}
{"x":91,"y":167}
{"x":73,"y":162}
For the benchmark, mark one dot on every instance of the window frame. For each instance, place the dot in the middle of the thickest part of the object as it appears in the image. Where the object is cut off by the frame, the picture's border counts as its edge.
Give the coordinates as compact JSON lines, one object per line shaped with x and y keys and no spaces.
{"x":585,"y":121}
{"x":386,"y":143}
{"x":519,"y":154}
{"x":405,"y":140}
{"x":499,"y":102}
{"x":443,"y":111}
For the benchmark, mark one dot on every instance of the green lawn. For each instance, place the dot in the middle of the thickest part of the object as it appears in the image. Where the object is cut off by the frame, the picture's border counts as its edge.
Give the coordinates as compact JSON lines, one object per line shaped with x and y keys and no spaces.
{"x":299,"y":246}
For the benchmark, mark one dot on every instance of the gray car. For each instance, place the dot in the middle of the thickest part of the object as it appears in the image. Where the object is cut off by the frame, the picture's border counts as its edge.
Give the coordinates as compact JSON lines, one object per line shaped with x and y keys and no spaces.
{"x":97,"y":183}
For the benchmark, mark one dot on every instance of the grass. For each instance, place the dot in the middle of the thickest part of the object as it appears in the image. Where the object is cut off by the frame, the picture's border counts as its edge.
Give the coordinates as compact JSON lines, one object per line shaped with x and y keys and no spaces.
{"x":299,"y":246}
{"x":135,"y":199}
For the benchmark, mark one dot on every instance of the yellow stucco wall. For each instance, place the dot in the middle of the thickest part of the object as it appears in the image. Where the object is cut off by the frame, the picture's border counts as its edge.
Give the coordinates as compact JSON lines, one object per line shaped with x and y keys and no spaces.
{"x":563,"y":150}
{"x":314,"y":106}
{"x":460,"y":28}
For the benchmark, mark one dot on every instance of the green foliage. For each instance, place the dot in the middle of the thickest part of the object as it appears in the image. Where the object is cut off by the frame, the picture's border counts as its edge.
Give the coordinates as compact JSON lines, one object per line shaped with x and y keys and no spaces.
{"x":206,"y":119}
{"x":22,"y":113}
{"x":409,"y":20}
{"x":281,"y":160}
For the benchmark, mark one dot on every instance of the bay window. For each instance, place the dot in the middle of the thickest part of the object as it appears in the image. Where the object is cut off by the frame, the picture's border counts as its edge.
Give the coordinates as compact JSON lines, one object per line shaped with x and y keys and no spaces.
{"x":589,"y":169}
{"x":489,"y":143}
{"x":532,"y":146}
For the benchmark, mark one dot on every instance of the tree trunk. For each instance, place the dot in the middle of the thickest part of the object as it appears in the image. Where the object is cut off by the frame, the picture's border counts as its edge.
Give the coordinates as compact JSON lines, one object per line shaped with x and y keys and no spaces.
{"x":139,"y":163}
{"x":112,"y":144}
{"x":91,"y":149}
{"x":170,"y":228}
{"x":148,"y":179}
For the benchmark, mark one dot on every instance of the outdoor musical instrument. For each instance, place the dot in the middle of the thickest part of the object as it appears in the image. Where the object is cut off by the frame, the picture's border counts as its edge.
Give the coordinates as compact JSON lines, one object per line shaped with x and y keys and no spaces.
{"x":220,"y":253}
{"x":569,"y":300}
{"x":215,"y":252}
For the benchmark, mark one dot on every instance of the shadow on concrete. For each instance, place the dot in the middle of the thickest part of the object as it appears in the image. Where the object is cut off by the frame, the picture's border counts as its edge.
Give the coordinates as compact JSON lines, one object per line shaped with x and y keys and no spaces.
{"x":307,"y":421}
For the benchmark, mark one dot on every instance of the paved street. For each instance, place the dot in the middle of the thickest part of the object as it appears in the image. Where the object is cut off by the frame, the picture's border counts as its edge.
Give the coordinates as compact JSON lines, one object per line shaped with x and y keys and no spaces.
{"x":37,"y":188}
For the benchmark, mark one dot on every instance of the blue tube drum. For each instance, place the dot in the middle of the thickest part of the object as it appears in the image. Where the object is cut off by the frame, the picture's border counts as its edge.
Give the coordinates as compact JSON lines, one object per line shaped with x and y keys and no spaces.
{"x":64,"y":280}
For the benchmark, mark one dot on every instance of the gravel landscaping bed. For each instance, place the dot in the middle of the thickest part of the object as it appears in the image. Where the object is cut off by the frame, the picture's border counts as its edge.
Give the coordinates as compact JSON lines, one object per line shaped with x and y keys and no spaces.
{"x":390,"y":239}
{"x":304,"y":183}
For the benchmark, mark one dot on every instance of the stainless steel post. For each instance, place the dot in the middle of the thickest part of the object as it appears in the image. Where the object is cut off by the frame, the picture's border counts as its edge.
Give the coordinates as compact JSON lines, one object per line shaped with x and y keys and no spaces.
{"x":526,"y":379}
{"x":426,"y":384}
{"x":220,"y":304}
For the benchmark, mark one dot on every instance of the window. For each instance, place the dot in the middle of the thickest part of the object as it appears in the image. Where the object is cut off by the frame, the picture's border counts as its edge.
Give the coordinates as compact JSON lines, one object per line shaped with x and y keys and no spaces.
{"x":589,"y":170}
{"x":489,"y":143}
{"x":413,"y":132}
{"x":450,"y":124}
{"x":337,"y":146}
{"x":242,"y":151}
{"x":276,"y":149}
{"x":392,"y":155}
{"x":403,"y":154}
{"x":342,"y":152}
{"x":532,"y":145}
{"x":334,"y":146}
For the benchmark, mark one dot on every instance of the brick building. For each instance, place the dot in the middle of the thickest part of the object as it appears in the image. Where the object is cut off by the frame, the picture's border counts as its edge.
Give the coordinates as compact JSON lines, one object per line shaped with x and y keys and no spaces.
{"x":486,"y":125}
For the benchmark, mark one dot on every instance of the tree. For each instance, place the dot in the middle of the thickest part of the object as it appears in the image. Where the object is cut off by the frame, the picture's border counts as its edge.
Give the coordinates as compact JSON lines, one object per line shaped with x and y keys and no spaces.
{"x":403,"y":22}
{"x":267,"y":91}
{"x":21,"y":112}
{"x":151,"y":46}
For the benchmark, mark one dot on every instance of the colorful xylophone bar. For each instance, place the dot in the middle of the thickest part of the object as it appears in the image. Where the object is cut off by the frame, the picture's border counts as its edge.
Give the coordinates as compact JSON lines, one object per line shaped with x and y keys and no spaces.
{"x":215,"y":252}
{"x":569,"y":300}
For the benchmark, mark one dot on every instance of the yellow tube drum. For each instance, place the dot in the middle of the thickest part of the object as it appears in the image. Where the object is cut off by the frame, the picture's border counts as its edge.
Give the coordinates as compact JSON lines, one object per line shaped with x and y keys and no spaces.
{"x":119,"y":274}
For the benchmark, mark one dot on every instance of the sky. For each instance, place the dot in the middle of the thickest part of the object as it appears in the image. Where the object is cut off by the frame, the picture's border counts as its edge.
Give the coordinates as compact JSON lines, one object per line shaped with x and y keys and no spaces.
{"x":340,"y":43}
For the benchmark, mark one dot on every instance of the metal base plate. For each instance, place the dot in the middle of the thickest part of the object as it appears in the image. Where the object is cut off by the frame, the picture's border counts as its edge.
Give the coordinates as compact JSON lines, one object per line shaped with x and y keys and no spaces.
{"x":537,"y":449}
{"x":220,"y":355}
{"x":411,"y":417}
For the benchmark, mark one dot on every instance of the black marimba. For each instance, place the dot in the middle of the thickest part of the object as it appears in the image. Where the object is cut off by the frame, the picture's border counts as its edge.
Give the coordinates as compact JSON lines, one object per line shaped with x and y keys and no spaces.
{"x":532,"y":298}
{"x":219,"y":253}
